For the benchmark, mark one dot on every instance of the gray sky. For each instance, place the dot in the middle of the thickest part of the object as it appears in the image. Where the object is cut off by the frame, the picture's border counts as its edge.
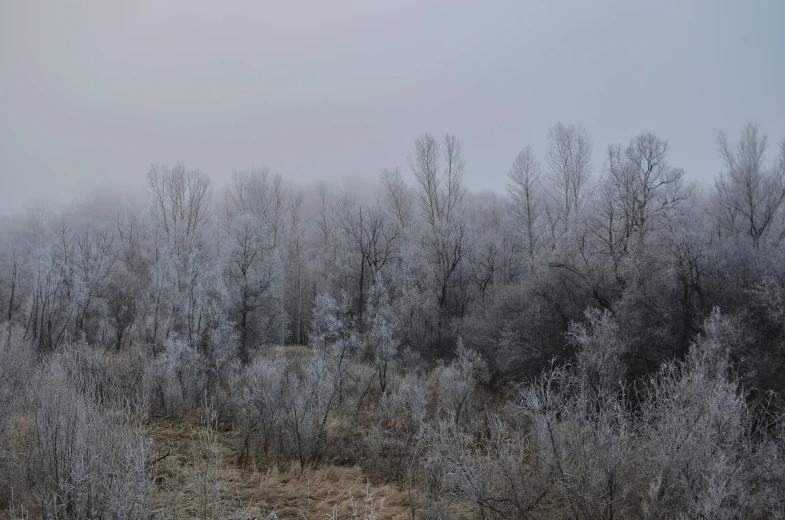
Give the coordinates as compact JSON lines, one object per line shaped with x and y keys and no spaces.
{"x":91,"y":93}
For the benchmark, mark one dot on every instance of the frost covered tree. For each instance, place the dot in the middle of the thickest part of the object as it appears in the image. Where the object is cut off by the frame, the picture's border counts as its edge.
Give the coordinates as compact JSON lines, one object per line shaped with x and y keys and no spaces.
{"x":751,"y":193}
{"x":642,"y":189}
{"x":600,"y":357}
{"x":458,"y":383}
{"x":381,"y":330}
{"x":261,"y":405}
{"x":438,"y":172}
{"x":370,"y":241}
{"x":569,"y":167}
{"x":525,"y":192}
{"x":186,"y":293}
{"x":253,"y":227}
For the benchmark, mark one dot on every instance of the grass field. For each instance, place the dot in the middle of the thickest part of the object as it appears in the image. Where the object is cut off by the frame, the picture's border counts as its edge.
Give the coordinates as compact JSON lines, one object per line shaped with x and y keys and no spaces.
{"x":192,"y":465}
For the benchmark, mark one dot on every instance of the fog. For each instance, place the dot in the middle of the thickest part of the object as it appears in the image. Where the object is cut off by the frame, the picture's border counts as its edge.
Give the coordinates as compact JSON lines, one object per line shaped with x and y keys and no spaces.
{"x":423,"y":260}
{"x":92,"y":93}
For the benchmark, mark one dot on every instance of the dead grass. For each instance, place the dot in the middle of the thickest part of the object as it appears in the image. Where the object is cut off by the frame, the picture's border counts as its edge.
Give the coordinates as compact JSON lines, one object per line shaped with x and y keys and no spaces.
{"x":297,"y":354}
{"x":286,"y":490}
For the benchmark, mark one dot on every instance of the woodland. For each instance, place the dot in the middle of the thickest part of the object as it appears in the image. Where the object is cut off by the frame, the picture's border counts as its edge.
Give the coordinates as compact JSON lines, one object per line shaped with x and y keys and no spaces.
{"x":604,"y":340}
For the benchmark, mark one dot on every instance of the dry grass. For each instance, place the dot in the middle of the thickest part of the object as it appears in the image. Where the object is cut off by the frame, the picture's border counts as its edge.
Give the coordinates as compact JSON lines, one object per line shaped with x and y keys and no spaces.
{"x":297,"y":354}
{"x":287,"y":491}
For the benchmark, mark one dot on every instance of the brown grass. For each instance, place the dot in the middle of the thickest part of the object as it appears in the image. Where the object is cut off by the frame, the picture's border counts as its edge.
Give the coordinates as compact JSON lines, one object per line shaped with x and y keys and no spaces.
{"x":289,"y":492}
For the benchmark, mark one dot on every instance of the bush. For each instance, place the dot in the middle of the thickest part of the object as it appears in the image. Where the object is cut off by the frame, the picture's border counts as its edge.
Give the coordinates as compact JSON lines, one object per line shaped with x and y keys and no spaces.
{"x":458,"y":384}
{"x":489,"y":464}
{"x":16,"y":357}
{"x":310,"y":399}
{"x":176,"y":380}
{"x":584,"y":442}
{"x":261,"y":405}
{"x":600,"y":358}
{"x":84,"y":461}
{"x":703,"y":443}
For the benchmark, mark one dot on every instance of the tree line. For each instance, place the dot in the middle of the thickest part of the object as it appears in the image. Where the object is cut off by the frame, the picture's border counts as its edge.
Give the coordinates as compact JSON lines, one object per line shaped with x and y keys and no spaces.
{"x":250,"y":258}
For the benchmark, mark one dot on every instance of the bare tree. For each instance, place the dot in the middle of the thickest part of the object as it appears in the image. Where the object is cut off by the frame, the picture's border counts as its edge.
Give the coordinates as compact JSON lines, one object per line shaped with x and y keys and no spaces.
{"x":524,"y":189}
{"x":440,"y":193}
{"x":441,"y":189}
{"x":16,"y":364}
{"x":94,"y":263}
{"x":750,"y":193}
{"x":370,"y":240}
{"x":644,"y":184}
{"x":640,"y":193}
{"x":52,"y":306}
{"x":12,"y":266}
{"x":296,"y":278}
{"x":249,"y":271}
{"x":187,"y":286}
{"x":454,"y":166}
{"x":495,"y":246}
{"x":399,"y":196}
{"x":258,"y":193}
{"x":426,"y":168}
{"x":131,"y":276}
{"x":181,"y":203}
{"x":569,"y":165}
{"x":253,"y":221}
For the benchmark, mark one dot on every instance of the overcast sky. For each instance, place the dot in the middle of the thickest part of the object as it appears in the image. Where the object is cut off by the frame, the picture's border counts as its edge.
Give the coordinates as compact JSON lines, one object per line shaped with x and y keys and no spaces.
{"x":91,"y":93}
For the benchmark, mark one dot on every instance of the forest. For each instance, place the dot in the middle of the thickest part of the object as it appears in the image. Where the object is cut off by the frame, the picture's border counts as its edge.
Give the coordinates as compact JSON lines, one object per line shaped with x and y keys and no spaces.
{"x":604,"y":340}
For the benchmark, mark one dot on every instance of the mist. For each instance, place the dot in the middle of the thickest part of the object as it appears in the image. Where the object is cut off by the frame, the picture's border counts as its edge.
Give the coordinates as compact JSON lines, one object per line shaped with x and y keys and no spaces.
{"x":428,"y":261}
{"x":92,"y":94}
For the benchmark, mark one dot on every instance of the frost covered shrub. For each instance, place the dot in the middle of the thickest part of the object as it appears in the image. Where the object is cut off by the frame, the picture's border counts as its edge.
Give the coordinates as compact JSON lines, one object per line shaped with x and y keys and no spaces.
{"x":401,"y":414}
{"x":177,"y":379}
{"x":697,"y":429}
{"x":703,"y":443}
{"x":332,"y":323}
{"x":318,"y":387}
{"x":770,"y":296}
{"x":310,"y":399}
{"x":458,"y":382}
{"x":381,"y":331}
{"x":85,"y":461}
{"x":16,"y":365}
{"x":260,"y":405}
{"x":487,"y":463}
{"x":583,"y":441}
{"x":358,"y":389}
{"x":518,"y":333}
{"x":600,"y":357}
{"x":114,"y":377}
{"x":766,"y":477}
{"x":568,"y":447}
{"x":694,"y":449}
{"x":405,"y":406}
